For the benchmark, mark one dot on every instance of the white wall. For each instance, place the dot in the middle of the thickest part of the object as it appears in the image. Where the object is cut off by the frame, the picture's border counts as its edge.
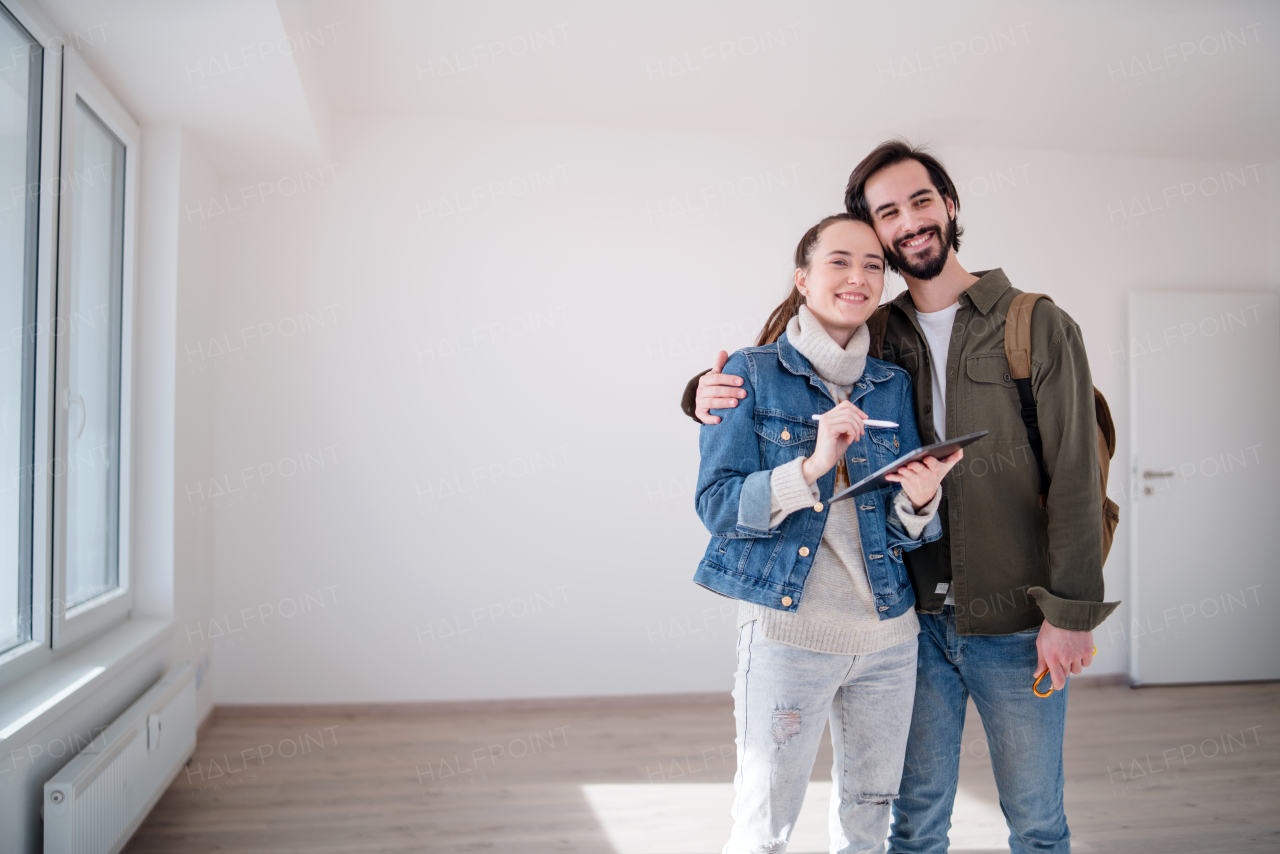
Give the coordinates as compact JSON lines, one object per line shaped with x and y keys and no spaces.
{"x":174,"y":406}
{"x":1273,"y":223}
{"x":194,"y":422}
{"x":442,"y":402}
{"x":153,"y":406}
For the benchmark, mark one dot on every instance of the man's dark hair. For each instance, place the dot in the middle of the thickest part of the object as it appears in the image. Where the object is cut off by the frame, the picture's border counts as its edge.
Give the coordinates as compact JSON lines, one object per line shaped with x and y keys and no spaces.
{"x":888,"y":154}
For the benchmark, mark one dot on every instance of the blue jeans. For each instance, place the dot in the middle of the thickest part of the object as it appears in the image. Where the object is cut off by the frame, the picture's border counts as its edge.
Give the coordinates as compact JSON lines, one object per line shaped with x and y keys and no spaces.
{"x":1024,"y":736}
{"x":782,"y":699}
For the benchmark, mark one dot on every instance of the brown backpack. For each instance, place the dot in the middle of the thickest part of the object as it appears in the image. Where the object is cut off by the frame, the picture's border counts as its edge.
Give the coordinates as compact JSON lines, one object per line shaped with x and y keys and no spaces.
{"x":1017,"y":348}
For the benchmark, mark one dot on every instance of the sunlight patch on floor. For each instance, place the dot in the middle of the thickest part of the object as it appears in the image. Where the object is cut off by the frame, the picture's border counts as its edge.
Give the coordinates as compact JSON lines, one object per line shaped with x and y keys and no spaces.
{"x":693,"y":818}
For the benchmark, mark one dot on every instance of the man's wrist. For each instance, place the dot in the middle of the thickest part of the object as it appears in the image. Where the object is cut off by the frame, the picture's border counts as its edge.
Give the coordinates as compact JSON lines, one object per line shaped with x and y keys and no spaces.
{"x":1060,"y":629}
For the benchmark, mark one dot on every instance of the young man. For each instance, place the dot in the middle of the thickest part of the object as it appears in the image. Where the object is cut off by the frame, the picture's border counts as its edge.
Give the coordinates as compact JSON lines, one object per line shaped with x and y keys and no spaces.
{"x":1012,"y":587}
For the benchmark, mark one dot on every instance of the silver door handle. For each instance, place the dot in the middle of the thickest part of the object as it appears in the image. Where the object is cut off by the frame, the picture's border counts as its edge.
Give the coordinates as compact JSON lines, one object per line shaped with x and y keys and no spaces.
{"x":1153,"y":474}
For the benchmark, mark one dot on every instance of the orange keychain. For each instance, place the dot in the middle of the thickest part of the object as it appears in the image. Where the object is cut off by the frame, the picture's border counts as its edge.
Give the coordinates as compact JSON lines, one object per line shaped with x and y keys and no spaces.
{"x":1043,"y":674}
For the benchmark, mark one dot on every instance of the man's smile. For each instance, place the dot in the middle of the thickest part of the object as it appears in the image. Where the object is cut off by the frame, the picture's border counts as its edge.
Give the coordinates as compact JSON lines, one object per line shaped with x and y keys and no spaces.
{"x":917,"y":242}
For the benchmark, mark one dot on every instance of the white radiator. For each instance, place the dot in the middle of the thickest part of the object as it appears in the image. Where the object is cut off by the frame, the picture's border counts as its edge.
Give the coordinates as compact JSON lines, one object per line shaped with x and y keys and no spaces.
{"x":98,"y":799}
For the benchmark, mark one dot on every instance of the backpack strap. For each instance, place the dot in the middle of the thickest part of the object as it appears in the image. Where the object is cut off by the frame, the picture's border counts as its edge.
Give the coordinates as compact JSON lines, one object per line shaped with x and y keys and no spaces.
{"x":1017,"y":348}
{"x":877,"y":323}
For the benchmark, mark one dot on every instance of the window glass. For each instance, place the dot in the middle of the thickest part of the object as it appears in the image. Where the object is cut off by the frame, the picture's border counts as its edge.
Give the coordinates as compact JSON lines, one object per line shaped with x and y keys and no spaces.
{"x":90,"y":401}
{"x":20,"y":84}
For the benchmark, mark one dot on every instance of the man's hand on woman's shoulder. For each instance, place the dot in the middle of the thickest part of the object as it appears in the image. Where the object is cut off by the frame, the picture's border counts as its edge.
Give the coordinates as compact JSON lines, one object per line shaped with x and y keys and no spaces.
{"x":717,"y":391}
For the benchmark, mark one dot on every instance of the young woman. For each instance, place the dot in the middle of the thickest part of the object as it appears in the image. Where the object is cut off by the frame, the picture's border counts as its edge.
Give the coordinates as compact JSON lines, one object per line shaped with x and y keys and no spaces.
{"x":827,"y":623}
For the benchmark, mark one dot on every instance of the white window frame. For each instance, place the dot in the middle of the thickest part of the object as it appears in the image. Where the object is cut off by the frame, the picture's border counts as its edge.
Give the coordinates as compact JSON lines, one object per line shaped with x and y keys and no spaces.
{"x":54,"y":631}
{"x":72,"y":625}
{"x":38,"y":651}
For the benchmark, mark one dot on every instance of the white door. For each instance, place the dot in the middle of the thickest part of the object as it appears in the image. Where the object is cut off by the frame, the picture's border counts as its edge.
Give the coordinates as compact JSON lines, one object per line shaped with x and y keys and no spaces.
{"x":1204,"y":375}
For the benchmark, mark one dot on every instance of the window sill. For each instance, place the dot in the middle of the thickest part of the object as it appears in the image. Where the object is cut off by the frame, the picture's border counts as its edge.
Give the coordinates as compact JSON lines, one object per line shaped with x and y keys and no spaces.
{"x":31,"y":703}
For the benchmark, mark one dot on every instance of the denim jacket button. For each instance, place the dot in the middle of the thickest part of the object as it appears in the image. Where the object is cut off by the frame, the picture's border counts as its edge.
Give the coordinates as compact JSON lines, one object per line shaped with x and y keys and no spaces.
{"x":817,"y":508}
{"x":804,"y":551}
{"x":884,"y":607}
{"x":786,"y":601}
{"x":785,"y":435}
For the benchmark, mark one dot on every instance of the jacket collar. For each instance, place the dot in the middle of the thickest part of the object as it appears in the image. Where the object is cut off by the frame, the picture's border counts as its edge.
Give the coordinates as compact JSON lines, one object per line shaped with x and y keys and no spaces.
{"x":984,"y":293}
{"x":795,"y":362}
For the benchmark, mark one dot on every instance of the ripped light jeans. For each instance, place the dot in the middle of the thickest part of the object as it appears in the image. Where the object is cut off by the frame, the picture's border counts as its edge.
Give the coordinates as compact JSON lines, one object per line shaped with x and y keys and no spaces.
{"x":782,"y":698}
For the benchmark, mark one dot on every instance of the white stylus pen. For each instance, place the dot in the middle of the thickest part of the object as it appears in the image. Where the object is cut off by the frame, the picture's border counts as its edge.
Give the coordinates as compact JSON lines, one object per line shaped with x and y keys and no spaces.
{"x":870,"y":422}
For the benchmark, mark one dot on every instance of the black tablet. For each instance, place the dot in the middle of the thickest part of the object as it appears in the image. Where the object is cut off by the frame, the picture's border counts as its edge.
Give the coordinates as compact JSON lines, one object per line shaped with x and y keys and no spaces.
{"x":876,"y":480}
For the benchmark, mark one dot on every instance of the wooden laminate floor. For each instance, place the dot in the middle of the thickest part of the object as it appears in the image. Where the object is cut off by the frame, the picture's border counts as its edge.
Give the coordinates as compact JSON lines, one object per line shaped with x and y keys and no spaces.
{"x":1176,"y":769}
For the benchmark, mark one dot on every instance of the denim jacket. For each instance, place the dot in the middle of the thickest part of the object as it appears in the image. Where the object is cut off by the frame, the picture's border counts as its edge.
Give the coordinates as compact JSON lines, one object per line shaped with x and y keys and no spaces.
{"x":771,"y":426}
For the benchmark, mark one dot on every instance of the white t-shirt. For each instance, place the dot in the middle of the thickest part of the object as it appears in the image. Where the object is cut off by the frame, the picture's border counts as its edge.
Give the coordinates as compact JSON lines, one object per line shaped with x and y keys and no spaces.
{"x":937,"y":331}
{"x":936,"y":326}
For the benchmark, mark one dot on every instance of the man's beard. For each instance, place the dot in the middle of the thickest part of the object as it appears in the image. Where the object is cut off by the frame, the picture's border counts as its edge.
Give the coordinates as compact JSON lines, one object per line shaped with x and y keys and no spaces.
{"x":929,"y":266}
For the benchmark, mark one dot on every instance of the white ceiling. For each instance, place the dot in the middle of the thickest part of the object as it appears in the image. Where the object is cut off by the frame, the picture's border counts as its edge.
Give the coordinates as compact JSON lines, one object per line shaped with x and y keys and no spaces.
{"x":1162,"y":79}
{"x":200,"y":64}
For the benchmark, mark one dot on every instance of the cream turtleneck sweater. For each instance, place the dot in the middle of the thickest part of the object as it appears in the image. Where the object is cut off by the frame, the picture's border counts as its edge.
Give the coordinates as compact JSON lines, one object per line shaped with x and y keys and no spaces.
{"x":837,"y":613}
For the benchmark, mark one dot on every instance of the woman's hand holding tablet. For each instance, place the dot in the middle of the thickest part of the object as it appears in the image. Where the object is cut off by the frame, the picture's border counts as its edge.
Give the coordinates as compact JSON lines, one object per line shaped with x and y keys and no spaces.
{"x":888,"y":474}
{"x":920,"y":479}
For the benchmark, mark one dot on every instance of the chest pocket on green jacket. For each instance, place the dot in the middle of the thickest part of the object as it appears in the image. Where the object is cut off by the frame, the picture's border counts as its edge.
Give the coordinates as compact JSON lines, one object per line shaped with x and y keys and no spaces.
{"x":783,"y":438}
{"x":992,"y":403}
